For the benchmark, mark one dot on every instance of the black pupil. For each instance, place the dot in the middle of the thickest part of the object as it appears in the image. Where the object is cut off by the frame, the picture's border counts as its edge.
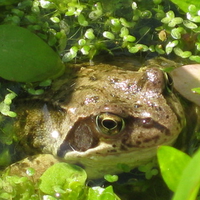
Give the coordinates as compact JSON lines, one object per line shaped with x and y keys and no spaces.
{"x":109,"y":124}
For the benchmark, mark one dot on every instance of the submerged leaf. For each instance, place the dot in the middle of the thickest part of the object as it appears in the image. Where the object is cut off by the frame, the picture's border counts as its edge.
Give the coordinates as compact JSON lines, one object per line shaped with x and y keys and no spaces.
{"x":25,"y":57}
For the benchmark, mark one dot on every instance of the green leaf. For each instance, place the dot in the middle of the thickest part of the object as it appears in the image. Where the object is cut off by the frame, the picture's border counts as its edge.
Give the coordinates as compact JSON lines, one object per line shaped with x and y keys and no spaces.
{"x":71,"y":11}
{"x":175,"y":21}
{"x":108,"y":194}
{"x":82,"y":21}
{"x":175,"y":33}
{"x":6,"y":2}
{"x":62,"y":175}
{"x":99,"y":193}
{"x":124,"y":31}
{"x":183,"y":5}
{"x":25,"y":57}
{"x":85,"y":50}
{"x":192,"y":9}
{"x":108,"y":35}
{"x":189,"y":24}
{"x":129,"y":38}
{"x":89,"y":34}
{"x":55,"y":19}
{"x":35,"y":92}
{"x":196,"y":90}
{"x":172,"y":162}
{"x":5,"y":105}
{"x":134,"y":6}
{"x":196,"y":19}
{"x":125,"y":23}
{"x":190,"y":180}
{"x":159,"y":49}
{"x":182,"y":54}
{"x":82,"y":42}
{"x":195,"y":58}
{"x":111,"y":178}
{"x":169,"y":47}
{"x":45,"y":83}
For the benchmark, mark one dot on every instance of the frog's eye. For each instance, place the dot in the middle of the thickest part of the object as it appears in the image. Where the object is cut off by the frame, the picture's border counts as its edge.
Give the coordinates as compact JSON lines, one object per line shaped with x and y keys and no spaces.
{"x":169,"y":82}
{"x":110,"y":124}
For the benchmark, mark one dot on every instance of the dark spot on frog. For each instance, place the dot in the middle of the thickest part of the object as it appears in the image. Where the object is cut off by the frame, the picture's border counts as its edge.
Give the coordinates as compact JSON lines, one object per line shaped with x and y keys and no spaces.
{"x":142,"y":124}
{"x":114,"y":145}
{"x":38,"y":162}
{"x":93,"y":78}
{"x":154,"y":138}
{"x":114,"y":80}
{"x":137,"y":106}
{"x":23,"y":165}
{"x":112,"y":151}
{"x":138,"y":142}
{"x":123,"y":147}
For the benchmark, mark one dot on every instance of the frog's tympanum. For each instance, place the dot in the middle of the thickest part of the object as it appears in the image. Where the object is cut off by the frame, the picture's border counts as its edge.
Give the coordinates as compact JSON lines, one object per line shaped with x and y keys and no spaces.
{"x":102,"y":116}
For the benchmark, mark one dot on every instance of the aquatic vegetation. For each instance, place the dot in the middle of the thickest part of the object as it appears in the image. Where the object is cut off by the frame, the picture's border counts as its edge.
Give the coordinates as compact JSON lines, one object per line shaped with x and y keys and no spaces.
{"x":61,"y":181}
{"x":176,"y":168}
{"x":77,"y":29}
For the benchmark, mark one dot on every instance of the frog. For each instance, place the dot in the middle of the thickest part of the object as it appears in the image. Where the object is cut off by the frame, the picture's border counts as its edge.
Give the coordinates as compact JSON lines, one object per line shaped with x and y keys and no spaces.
{"x":100,"y":116}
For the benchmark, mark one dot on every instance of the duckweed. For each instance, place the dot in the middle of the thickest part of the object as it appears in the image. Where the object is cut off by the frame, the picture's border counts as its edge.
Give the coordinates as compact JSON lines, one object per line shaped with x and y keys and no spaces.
{"x":129,"y":26}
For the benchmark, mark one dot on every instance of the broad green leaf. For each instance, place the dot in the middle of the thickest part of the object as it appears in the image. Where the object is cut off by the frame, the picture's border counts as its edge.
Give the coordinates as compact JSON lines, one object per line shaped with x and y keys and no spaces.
{"x":62,"y":175}
{"x":25,"y":57}
{"x":183,"y":4}
{"x":190,"y":180}
{"x":172,"y":162}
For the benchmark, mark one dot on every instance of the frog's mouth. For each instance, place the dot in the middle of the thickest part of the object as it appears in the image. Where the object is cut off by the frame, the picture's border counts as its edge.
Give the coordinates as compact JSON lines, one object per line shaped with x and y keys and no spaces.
{"x":104,"y":159}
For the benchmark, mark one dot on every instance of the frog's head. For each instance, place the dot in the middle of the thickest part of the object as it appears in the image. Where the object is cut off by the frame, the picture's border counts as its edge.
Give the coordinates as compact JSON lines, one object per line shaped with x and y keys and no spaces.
{"x":111,"y":116}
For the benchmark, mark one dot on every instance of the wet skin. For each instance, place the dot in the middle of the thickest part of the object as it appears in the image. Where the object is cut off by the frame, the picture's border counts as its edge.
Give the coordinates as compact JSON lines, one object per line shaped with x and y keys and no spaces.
{"x":101,"y":116}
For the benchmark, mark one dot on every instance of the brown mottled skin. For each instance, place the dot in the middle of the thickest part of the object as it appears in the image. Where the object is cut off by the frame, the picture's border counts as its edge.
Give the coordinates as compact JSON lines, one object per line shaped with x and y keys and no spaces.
{"x":101,"y":116}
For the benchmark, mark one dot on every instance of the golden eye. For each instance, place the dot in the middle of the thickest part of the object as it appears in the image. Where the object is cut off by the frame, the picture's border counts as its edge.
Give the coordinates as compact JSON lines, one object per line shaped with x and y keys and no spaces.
{"x":110,"y":124}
